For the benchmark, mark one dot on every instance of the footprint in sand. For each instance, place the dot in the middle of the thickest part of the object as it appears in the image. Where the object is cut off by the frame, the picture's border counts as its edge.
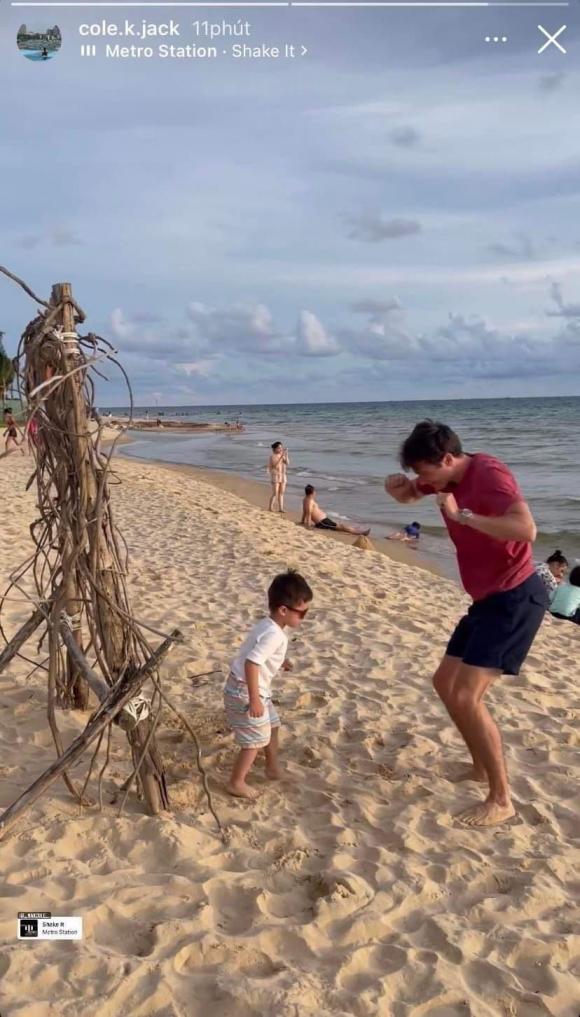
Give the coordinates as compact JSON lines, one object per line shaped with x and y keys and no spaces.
{"x":238,"y":959}
{"x":125,"y":936}
{"x":309,"y":758}
{"x":234,"y":907}
{"x":311,"y":699}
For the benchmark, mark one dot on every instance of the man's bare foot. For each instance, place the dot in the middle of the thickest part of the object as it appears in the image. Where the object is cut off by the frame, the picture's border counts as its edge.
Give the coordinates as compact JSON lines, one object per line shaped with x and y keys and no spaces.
{"x":470,"y":774}
{"x":242,"y":791}
{"x":487,"y":814}
{"x":274,"y":773}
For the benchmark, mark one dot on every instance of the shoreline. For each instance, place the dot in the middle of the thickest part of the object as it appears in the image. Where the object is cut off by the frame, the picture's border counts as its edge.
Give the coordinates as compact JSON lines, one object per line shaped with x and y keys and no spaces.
{"x":256,"y":494}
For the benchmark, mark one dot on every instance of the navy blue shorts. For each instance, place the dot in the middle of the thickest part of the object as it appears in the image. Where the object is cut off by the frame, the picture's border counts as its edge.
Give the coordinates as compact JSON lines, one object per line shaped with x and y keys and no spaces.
{"x":497,"y":632}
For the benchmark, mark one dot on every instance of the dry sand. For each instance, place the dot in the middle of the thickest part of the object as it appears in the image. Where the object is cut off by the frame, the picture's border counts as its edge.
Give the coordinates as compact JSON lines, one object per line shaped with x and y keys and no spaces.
{"x":346,"y":890}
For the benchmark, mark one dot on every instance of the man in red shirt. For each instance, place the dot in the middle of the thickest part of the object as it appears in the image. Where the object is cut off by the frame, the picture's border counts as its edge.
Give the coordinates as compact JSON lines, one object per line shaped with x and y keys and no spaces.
{"x":492,"y":529}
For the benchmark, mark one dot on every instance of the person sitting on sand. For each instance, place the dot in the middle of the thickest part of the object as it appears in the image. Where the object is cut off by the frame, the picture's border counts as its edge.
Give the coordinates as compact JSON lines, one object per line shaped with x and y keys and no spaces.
{"x":277,"y":468}
{"x":553,"y":571}
{"x":11,"y":433}
{"x":566,"y":600}
{"x":410,"y":534}
{"x":315,"y":517}
{"x":248,"y":693}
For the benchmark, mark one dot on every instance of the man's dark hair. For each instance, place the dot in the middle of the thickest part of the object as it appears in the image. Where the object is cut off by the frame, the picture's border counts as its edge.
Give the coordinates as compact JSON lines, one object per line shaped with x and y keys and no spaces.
{"x":309,"y":489}
{"x":418,"y":525}
{"x":7,"y":409}
{"x":275,"y":445}
{"x":557,"y":558}
{"x":574,"y":577}
{"x":288,"y":589}
{"x":429,"y":442}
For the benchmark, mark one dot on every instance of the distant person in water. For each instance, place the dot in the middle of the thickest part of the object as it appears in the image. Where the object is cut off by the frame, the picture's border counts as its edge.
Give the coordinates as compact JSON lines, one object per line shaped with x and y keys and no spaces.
{"x":553,"y":571}
{"x":493,"y":529}
{"x":566,"y":600}
{"x":278,"y":469}
{"x":409,"y":535}
{"x":315,"y":517}
{"x":11,"y":433}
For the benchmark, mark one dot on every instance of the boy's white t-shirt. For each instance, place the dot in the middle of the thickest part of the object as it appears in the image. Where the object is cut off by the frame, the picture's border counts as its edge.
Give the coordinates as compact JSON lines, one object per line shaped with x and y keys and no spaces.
{"x":266,"y":645}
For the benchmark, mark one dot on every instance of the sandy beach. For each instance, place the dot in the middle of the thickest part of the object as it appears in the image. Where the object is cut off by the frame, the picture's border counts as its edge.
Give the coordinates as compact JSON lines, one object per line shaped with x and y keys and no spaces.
{"x":346,"y":889}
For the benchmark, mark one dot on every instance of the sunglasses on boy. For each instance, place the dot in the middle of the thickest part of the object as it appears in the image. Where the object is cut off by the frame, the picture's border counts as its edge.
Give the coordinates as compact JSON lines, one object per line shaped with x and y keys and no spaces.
{"x":301,"y":612}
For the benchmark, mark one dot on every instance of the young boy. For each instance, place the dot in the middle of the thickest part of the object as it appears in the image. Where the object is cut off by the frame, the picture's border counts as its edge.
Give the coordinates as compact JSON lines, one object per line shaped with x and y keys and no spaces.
{"x":247,"y":693}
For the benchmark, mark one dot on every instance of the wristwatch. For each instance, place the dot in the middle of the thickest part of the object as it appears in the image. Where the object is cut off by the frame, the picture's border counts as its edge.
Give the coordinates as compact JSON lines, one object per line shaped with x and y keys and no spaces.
{"x":464,"y":515}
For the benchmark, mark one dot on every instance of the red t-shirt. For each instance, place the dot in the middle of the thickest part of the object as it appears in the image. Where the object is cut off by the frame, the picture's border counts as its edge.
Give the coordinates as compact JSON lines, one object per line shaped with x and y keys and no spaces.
{"x":487,"y":565}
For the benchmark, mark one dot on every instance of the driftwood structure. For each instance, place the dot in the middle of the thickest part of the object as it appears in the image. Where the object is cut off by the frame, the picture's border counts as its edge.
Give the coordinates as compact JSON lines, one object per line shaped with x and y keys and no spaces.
{"x":80,"y":562}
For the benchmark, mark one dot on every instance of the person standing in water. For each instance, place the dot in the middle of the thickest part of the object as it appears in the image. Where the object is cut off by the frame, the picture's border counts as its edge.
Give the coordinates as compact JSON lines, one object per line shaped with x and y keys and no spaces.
{"x":278,"y":469}
{"x":493,"y":529}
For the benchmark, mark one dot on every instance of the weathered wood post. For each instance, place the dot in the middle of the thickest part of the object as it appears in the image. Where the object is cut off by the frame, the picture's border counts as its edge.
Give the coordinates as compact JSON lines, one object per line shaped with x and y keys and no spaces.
{"x":76,"y":692}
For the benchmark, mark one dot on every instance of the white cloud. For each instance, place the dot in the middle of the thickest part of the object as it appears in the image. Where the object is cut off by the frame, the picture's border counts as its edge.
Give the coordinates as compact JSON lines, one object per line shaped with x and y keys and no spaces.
{"x":312,"y":339}
{"x":248,"y":327}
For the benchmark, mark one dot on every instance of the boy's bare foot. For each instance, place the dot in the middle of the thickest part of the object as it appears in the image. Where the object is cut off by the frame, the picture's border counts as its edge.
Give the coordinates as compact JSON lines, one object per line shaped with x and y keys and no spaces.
{"x":470,"y":774}
{"x":242,"y":791}
{"x":487,"y":814}
{"x":274,"y":773}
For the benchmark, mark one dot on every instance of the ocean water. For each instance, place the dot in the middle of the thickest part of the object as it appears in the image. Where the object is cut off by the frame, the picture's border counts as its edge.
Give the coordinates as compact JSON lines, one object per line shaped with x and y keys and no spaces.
{"x":346,"y":450}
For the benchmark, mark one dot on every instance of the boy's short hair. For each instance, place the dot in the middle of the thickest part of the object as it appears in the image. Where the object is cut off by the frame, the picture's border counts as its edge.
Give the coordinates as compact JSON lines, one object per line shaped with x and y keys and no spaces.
{"x":416,"y":525}
{"x":309,"y":489}
{"x":574,"y":577}
{"x":288,"y":589}
{"x":429,"y":442}
{"x":275,"y":445}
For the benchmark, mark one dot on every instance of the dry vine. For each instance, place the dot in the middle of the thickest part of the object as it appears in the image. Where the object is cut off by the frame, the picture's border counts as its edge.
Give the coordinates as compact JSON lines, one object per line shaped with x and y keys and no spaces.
{"x":80,"y":560}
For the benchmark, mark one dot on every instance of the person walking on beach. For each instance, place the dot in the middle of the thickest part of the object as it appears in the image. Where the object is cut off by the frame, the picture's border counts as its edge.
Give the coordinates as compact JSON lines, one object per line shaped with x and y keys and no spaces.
{"x":315,"y":517}
{"x":278,"y":469}
{"x":248,"y":690}
{"x":492,"y":529}
{"x":11,"y":433}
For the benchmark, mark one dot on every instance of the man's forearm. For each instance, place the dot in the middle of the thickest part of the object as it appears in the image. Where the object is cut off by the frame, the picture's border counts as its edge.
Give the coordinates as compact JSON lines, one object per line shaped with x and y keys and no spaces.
{"x":503,"y":527}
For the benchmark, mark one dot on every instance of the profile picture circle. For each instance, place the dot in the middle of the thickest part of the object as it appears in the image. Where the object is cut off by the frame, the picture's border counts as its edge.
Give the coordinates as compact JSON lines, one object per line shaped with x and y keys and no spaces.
{"x":38,"y":44}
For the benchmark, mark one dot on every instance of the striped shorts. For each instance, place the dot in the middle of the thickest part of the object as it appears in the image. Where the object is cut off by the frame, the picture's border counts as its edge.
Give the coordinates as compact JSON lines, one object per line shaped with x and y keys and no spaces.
{"x":250,"y":732}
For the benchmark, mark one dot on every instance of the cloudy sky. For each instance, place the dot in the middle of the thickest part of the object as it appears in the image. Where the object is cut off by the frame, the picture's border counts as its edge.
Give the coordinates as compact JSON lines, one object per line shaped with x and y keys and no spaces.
{"x":394,"y":216}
